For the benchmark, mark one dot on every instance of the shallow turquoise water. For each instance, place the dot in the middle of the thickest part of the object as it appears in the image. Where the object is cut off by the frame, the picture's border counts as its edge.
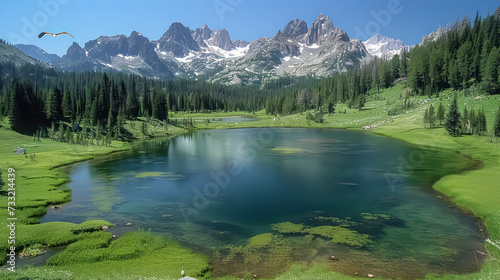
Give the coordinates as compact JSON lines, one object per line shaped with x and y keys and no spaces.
{"x":211,"y":189}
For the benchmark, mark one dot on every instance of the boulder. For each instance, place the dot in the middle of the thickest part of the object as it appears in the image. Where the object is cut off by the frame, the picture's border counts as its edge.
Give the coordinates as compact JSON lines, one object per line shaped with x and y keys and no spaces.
{"x":105,"y":227}
{"x":19,"y":151}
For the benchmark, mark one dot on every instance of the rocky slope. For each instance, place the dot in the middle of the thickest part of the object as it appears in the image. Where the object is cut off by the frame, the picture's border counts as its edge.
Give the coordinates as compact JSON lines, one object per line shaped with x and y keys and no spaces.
{"x":320,"y":50}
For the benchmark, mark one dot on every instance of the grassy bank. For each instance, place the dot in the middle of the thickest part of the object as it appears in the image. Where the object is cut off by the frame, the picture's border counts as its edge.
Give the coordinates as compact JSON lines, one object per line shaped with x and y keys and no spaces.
{"x":39,"y":184}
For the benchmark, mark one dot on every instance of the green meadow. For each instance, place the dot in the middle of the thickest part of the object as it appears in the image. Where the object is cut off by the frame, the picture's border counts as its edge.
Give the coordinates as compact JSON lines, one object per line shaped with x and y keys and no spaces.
{"x":94,"y":254}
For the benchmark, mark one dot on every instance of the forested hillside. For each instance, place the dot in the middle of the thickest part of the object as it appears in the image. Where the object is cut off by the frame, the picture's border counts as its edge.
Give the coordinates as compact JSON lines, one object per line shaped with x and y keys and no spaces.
{"x":36,"y":98}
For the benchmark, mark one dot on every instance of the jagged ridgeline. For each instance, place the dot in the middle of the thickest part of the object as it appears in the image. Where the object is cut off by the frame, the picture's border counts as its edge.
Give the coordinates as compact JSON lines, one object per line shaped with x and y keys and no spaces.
{"x":321,"y":49}
{"x":36,"y":97}
{"x":464,"y":56}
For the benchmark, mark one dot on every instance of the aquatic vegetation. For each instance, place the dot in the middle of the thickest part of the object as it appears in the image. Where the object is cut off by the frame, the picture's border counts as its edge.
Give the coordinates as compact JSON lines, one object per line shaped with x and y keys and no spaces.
{"x":288,"y":227}
{"x":337,"y":234}
{"x":264,"y":249}
{"x":337,"y":221}
{"x":285,"y":150}
{"x":376,"y":217}
{"x":169,"y":175}
{"x":149,"y":174}
{"x":260,"y":241}
{"x":341,"y":235}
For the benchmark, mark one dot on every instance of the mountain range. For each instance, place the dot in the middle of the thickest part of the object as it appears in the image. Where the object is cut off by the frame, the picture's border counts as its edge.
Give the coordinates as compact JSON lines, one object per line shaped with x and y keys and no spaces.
{"x":321,"y":49}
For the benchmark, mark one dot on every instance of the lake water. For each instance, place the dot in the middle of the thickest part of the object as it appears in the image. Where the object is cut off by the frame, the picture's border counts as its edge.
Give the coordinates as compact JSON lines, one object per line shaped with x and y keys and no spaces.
{"x":364,"y":199}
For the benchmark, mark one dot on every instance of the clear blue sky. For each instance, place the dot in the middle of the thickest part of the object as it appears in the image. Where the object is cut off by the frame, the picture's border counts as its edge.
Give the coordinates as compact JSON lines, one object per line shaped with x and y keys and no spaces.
{"x":409,"y":20}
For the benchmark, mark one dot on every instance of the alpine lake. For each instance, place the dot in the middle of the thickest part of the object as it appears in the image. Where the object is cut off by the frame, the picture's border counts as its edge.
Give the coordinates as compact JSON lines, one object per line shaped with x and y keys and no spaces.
{"x":258,"y":200}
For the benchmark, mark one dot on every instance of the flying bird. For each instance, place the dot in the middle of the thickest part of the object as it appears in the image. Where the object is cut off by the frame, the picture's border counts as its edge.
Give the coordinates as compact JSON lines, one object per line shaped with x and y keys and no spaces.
{"x":55,"y":35}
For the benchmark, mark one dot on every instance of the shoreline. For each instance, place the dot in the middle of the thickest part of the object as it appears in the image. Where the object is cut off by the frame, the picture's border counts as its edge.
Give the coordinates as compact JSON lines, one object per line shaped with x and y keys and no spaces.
{"x":448,"y":196}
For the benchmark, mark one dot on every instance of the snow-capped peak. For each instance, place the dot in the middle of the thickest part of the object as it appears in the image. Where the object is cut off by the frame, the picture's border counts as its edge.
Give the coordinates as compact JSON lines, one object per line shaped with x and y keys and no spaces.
{"x":383,"y":46}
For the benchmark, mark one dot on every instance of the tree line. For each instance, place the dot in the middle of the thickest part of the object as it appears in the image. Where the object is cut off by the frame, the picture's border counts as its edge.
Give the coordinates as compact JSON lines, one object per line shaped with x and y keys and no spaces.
{"x":467,"y":57}
{"x":35,"y":97}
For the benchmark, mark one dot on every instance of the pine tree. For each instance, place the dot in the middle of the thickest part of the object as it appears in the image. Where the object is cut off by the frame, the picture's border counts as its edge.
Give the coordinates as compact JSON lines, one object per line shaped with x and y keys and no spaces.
{"x":361,"y":101}
{"x":146,"y":102}
{"x":491,"y":72}
{"x":426,"y":118}
{"x":111,"y":120}
{"x":496,"y":127}
{"x":466,"y":123}
{"x":440,"y":113}
{"x":432,"y":116}
{"x":22,"y":114}
{"x":68,"y":135}
{"x":52,"y":132}
{"x":60,"y":132}
{"x":52,"y":107}
{"x":331,"y":104}
{"x":132,"y":105}
{"x":482,"y":122}
{"x":66,"y":104}
{"x":453,"y":124}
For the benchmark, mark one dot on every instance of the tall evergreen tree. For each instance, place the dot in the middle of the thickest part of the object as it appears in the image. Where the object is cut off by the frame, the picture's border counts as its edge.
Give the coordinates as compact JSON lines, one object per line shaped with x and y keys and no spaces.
{"x":132,"y":105}
{"x":52,"y":106}
{"x":426,"y":118}
{"x":453,"y":124}
{"x":432,"y":116}
{"x":491,"y":72}
{"x":440,"y":113}
{"x":66,"y":104}
{"x":146,"y":102}
{"x":23,"y":116}
{"x":496,"y":126}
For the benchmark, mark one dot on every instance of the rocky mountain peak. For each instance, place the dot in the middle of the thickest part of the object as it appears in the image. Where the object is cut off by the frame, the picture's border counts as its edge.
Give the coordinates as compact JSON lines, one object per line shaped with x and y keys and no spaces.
{"x":75,"y":52}
{"x":221,"y":39}
{"x":178,"y":40}
{"x":322,"y":29}
{"x":295,"y":28}
{"x":240,"y":43}
{"x":278,"y":35}
{"x":378,"y":38}
{"x":383,"y":46}
{"x":205,"y":32}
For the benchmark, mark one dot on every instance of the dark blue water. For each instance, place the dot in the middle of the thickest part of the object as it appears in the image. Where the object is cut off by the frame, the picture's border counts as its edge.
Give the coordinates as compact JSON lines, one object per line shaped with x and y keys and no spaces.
{"x":213,"y":190}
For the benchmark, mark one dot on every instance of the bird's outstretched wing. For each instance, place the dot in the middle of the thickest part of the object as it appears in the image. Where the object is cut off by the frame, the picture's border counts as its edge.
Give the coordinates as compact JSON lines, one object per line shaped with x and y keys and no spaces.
{"x":54,"y":35}
{"x":65,"y":33}
{"x":45,"y":33}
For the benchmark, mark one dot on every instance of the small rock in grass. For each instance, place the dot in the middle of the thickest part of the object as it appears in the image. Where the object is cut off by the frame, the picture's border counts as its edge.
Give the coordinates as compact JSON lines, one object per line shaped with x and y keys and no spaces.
{"x":19,"y":151}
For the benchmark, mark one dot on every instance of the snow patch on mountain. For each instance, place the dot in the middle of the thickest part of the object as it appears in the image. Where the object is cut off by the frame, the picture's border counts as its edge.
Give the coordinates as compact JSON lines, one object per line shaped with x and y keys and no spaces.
{"x":383,"y":46}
